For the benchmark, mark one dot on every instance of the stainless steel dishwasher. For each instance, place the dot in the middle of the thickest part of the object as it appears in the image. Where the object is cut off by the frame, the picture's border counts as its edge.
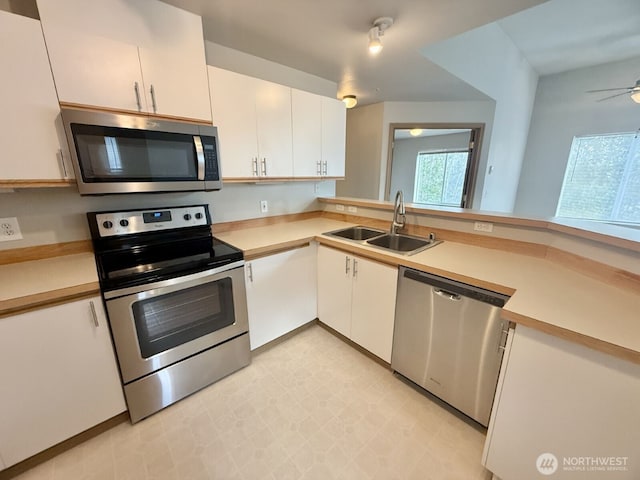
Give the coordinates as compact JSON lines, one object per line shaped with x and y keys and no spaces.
{"x":449,"y":339}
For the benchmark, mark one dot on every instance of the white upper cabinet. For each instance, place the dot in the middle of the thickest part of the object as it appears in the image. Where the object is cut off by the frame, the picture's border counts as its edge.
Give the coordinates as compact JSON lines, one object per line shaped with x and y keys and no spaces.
{"x":30,"y":107}
{"x":273,"y":111}
{"x":253,"y":117}
{"x":319,"y":132}
{"x":334,"y":128}
{"x":306,"y":111}
{"x":135,"y":55}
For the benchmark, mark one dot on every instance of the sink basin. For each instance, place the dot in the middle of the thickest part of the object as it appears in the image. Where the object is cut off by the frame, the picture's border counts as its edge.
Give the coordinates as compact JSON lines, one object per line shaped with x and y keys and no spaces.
{"x":356,"y":233}
{"x":405,"y":244}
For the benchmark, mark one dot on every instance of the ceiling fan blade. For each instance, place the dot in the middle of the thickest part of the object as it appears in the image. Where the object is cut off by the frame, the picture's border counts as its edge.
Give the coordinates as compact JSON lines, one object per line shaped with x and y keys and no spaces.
{"x":608,"y":89}
{"x":613,"y":96}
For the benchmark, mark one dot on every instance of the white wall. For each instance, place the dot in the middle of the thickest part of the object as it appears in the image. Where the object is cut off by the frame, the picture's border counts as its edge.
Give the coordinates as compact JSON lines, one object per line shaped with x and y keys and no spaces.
{"x":365,"y":134}
{"x":58,"y":214}
{"x":405,"y":153}
{"x":438,"y":112}
{"x":563,"y":110}
{"x":487,"y":59}
{"x":240,"y":62}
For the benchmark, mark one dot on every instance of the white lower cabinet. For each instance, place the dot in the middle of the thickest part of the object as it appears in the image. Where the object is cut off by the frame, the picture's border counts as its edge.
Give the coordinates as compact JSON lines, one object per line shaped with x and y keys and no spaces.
{"x":59,"y":377}
{"x":357,"y":298}
{"x":281,"y":293}
{"x":565,"y":411}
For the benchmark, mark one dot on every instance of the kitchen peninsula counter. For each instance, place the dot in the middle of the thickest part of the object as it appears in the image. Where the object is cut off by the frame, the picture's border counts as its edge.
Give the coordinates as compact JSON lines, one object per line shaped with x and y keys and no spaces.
{"x":544,"y":295}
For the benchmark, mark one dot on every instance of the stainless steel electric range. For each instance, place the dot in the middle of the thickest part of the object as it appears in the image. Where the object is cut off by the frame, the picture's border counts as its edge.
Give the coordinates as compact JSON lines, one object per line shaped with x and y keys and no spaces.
{"x":176,"y":301}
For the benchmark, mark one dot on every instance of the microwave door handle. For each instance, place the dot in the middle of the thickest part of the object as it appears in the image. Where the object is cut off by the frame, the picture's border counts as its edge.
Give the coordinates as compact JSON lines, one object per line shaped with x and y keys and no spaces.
{"x":197,"y":141}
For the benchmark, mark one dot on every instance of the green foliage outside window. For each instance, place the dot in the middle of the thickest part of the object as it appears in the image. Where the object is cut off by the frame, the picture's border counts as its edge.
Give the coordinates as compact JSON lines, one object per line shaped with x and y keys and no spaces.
{"x":602,"y":180}
{"x":440,"y":178}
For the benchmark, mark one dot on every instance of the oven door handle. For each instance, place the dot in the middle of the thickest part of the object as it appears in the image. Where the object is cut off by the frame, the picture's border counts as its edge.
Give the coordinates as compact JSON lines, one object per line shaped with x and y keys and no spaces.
{"x":197,"y":142}
{"x":194,"y":278}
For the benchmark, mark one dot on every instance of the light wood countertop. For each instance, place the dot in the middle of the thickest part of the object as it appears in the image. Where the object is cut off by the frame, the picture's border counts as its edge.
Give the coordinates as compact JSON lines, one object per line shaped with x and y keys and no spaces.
{"x":36,"y":283}
{"x":545,"y":296}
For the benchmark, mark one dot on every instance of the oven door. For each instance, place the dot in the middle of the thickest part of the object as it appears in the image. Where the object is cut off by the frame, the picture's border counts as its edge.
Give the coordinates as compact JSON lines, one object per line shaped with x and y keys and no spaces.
{"x":159,"y":324}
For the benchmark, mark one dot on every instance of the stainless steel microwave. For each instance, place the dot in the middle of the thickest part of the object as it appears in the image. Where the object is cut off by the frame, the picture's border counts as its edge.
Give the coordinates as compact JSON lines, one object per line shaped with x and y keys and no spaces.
{"x":119,"y":153}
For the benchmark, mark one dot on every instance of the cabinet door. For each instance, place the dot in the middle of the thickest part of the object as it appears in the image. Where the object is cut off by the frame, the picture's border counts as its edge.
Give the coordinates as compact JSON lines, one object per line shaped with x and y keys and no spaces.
{"x":174,"y":65}
{"x":334,"y":289}
{"x":281,"y":293}
{"x":30,"y":109}
{"x":373,"y":306}
{"x":234,"y":113}
{"x":306,"y":116}
{"x":273,"y":110}
{"x":59,"y":377}
{"x":334,"y":127}
{"x":93,"y":70}
{"x":561,"y":398}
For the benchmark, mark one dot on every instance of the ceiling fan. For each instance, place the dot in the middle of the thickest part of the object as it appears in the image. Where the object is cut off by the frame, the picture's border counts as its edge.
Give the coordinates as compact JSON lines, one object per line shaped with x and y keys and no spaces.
{"x":633,"y":91}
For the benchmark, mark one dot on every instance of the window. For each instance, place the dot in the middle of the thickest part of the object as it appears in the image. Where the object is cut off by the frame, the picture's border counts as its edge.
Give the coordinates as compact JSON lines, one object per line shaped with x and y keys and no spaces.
{"x":602,"y":180}
{"x":440,"y":178}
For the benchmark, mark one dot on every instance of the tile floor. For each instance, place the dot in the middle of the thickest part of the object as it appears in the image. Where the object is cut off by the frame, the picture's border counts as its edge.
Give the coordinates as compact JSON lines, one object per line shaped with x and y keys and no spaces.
{"x":311,"y":407}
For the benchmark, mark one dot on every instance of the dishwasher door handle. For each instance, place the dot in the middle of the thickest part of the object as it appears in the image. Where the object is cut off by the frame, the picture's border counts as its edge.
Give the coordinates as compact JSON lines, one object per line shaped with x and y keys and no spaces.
{"x":448,"y":295}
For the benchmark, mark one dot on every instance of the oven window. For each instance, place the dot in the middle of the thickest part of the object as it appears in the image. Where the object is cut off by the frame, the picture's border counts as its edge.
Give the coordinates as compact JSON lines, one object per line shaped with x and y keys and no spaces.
{"x":166,"y":321}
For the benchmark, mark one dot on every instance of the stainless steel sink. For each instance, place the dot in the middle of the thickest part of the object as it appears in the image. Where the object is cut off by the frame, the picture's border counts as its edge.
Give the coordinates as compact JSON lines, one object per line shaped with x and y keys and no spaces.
{"x":358,"y":233}
{"x":404,"y":244}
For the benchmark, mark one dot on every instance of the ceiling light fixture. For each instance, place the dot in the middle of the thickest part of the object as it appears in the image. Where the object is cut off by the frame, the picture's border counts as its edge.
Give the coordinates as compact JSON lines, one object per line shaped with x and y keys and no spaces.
{"x":379,"y":26}
{"x":350,"y":101}
{"x":635,"y":96}
{"x":415,"y":132}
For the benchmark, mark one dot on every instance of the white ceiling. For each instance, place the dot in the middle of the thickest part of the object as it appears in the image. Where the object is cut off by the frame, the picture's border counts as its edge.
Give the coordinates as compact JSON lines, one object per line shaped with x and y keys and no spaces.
{"x":563,"y":35}
{"x":329,"y":38}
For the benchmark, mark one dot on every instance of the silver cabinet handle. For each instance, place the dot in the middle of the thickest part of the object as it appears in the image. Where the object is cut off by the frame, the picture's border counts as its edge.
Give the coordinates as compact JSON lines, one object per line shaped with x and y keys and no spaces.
{"x":319,"y":168}
{"x":136,"y":89}
{"x":451,"y":296}
{"x":62,"y":164}
{"x":346,"y":265}
{"x":264,"y":166}
{"x":254,"y":161}
{"x":355,"y":268}
{"x":324,"y":168}
{"x":250,"y":272}
{"x":153,"y":98}
{"x":197,"y":142}
{"x":94,"y":315}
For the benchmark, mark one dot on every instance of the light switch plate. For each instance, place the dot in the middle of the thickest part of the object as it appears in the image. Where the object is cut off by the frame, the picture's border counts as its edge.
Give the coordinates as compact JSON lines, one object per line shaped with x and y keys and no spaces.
{"x":9,"y":229}
{"x":264,"y":206}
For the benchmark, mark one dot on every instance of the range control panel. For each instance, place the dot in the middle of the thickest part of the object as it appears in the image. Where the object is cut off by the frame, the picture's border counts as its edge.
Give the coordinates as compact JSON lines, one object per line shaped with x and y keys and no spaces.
{"x":138,"y":221}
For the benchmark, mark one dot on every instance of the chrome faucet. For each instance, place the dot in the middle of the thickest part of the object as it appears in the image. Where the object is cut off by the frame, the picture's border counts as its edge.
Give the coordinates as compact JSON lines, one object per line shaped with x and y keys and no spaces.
{"x":399,"y":219}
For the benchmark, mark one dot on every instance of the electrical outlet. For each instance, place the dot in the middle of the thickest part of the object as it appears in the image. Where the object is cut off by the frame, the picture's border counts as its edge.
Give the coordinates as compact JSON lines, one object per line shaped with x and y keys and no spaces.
{"x":483,"y":227}
{"x":264,"y":206}
{"x":339,"y":207}
{"x":352,"y":209}
{"x":9,"y":229}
